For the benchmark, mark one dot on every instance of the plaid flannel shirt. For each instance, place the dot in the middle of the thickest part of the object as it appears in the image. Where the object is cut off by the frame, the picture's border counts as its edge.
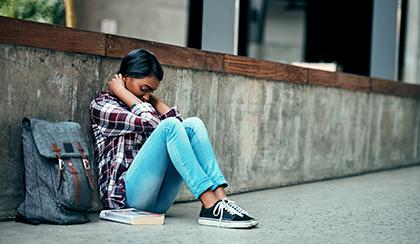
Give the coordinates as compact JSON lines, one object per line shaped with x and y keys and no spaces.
{"x":118,"y":134}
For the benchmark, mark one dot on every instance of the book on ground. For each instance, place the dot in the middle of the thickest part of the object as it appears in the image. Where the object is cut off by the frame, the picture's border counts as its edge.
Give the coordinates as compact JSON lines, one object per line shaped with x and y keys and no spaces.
{"x":132,"y":216}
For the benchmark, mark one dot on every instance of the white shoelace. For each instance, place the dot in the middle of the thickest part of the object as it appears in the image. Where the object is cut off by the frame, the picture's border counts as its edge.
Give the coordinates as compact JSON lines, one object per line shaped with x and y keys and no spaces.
{"x":235,"y":206}
{"x":220,"y":206}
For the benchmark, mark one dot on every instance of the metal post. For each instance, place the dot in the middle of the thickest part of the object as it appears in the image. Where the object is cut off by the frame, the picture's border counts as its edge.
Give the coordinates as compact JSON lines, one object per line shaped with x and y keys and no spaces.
{"x":70,"y":16}
{"x":385,"y":39}
{"x":220,"y":26}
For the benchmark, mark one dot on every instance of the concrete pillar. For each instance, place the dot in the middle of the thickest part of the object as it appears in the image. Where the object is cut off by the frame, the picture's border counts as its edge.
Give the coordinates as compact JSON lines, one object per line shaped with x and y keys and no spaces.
{"x":220,"y":26}
{"x":412,"y":44}
{"x":385,"y":39}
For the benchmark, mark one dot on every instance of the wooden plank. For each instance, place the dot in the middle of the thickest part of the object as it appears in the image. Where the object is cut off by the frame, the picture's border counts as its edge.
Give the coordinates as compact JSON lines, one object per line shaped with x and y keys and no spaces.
{"x":264,"y":69}
{"x":118,"y":47}
{"x":28,"y":33}
{"x":322,"y":78}
{"x":354,"y":82}
{"x":395,"y":88}
{"x":339,"y":80}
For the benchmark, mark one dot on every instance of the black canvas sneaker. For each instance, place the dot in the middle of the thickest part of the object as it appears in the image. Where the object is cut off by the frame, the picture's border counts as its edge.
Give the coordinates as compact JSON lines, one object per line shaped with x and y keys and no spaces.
{"x":222,"y":215}
{"x":235,"y":206}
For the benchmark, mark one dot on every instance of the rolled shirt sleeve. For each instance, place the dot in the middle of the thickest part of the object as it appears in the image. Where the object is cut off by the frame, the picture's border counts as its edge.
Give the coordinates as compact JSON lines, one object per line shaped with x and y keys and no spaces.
{"x":173,"y":112}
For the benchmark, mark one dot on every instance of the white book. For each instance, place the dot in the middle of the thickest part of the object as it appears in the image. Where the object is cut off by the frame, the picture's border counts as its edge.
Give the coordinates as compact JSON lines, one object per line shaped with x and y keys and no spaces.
{"x":132,"y":216}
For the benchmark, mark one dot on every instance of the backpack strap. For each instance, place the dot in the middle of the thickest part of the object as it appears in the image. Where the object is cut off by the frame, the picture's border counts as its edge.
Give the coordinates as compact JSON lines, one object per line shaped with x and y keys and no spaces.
{"x":57,"y":152}
{"x":86,"y":166}
{"x":76,"y":180}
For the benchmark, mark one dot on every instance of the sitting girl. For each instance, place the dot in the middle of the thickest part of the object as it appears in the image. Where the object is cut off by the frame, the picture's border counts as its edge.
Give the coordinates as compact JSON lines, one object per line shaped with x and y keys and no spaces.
{"x":144,"y":150}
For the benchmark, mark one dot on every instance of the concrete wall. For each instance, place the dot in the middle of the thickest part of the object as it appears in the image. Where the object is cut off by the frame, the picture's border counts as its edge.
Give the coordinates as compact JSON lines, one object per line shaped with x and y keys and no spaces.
{"x":265,"y":133}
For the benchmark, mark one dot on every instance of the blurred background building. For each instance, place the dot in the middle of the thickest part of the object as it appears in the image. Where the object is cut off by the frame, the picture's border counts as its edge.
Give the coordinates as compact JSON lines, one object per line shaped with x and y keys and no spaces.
{"x":377,"y":38}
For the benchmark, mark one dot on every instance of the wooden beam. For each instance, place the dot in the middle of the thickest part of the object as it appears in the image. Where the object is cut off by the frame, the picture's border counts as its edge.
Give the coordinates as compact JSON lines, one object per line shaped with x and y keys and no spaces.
{"x":33,"y":34}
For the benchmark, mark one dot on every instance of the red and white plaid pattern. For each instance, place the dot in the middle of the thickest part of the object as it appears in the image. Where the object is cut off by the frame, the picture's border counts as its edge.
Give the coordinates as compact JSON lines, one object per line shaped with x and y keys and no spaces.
{"x":118,"y":134}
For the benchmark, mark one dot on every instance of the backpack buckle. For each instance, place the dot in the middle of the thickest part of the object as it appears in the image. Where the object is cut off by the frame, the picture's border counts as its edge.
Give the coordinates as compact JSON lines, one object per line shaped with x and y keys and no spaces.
{"x":86,"y":164}
{"x":60,"y":164}
{"x":57,"y":152}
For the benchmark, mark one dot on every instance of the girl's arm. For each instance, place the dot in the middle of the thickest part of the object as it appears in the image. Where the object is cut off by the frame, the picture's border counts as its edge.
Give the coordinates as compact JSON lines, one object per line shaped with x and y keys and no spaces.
{"x":114,"y":120}
{"x":161,"y":107}
{"x":117,"y":88}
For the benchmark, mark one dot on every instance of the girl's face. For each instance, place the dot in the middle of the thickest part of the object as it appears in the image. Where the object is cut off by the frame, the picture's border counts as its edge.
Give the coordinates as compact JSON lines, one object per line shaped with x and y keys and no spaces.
{"x":142,"y":87}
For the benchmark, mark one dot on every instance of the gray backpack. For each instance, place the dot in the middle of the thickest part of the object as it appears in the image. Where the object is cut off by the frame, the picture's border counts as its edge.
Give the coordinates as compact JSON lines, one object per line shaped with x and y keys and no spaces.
{"x":58,"y":179}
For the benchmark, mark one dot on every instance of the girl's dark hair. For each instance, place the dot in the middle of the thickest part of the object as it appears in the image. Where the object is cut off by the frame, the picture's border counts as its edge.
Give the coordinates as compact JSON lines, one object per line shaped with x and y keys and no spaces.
{"x":141,"y":63}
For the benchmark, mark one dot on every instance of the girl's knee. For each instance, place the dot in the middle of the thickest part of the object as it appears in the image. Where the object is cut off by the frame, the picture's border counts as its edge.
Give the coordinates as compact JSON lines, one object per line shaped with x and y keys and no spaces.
{"x":171,"y":122}
{"x":170,"y":125}
{"x":193,"y":122}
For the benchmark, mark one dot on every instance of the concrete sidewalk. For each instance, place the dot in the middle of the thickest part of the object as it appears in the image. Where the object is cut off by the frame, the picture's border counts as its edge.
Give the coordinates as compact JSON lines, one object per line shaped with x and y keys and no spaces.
{"x":374,"y":208}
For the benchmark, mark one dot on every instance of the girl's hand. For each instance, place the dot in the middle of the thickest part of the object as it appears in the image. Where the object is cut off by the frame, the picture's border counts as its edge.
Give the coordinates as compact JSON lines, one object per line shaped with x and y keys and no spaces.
{"x":116,"y":84}
{"x":117,"y":88}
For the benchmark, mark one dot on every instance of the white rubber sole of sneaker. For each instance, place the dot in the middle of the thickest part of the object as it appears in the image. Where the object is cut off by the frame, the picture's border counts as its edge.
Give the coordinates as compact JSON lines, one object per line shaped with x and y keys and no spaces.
{"x":228,"y":224}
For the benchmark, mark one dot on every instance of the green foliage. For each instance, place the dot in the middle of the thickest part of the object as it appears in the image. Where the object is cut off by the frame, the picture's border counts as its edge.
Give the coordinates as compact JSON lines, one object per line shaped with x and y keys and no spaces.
{"x":47,"y":11}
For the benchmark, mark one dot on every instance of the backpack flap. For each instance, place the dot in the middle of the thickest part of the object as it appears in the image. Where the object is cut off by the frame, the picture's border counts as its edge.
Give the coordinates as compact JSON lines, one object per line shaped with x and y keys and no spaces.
{"x":65,"y":135}
{"x":63,"y":144}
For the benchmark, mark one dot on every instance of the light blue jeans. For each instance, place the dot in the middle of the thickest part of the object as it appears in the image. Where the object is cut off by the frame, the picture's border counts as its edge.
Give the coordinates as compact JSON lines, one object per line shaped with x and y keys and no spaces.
{"x":175,"y":152}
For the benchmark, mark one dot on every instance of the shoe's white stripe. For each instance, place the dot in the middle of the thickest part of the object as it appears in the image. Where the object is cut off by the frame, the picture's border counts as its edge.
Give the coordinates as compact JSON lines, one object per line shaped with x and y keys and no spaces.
{"x":225,"y":223}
